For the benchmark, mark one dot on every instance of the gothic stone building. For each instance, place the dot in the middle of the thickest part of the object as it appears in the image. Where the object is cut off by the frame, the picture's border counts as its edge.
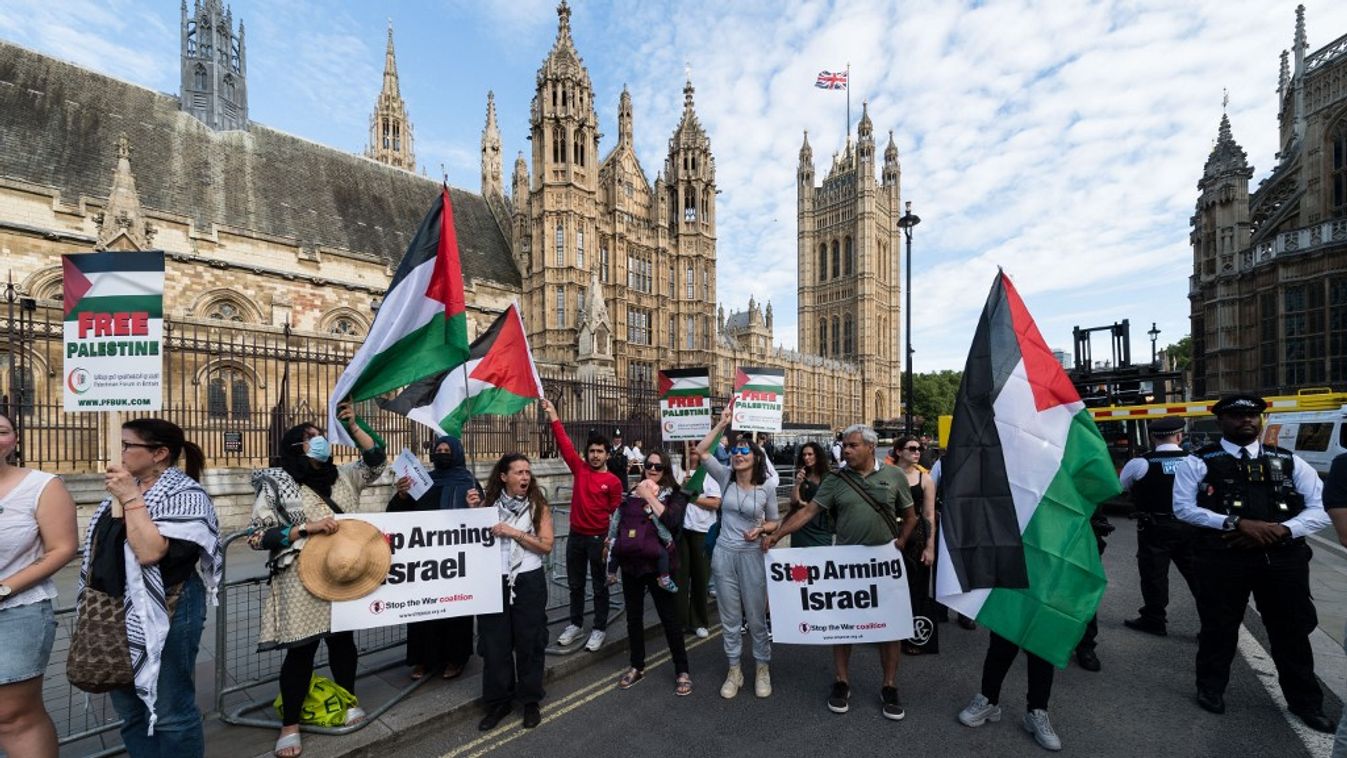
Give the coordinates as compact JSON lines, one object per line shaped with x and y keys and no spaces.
{"x":1269,"y":283}
{"x":270,"y":237}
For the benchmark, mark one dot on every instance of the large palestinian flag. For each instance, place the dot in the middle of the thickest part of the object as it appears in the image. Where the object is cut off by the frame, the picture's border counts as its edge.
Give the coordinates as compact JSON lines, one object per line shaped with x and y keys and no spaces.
{"x":422,"y":328}
{"x":499,"y":378}
{"x":1024,"y":471}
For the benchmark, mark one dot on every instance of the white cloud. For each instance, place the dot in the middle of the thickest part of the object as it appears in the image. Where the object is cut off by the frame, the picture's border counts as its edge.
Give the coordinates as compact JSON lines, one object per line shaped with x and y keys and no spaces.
{"x":111,"y":36}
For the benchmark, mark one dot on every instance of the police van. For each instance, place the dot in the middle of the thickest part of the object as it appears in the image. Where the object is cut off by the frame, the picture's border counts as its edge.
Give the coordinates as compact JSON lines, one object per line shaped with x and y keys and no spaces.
{"x":1316,"y":436}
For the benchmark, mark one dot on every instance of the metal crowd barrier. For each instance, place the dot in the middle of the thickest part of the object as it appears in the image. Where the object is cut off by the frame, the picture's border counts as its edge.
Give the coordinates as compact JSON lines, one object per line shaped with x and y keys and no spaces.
{"x":78,"y":716}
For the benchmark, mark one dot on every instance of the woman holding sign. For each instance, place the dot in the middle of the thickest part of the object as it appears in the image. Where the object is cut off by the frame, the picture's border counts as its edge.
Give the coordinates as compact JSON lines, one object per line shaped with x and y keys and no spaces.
{"x":748,"y":511}
{"x":442,"y":643}
{"x":513,"y":642}
{"x":296,"y":500}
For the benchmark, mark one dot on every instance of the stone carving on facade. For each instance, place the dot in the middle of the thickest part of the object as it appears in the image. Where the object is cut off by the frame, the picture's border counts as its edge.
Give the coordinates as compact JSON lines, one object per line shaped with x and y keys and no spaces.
{"x":121,"y":224}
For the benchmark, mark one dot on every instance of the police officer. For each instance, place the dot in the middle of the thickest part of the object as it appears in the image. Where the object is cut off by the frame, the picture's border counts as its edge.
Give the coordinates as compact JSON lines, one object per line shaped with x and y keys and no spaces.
{"x":1161,"y":538}
{"x":1253,"y":506}
{"x":617,"y":460}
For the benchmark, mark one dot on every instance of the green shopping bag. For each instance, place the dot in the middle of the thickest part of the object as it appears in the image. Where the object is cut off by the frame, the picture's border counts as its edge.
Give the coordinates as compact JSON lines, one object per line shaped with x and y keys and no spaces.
{"x":324,"y":705}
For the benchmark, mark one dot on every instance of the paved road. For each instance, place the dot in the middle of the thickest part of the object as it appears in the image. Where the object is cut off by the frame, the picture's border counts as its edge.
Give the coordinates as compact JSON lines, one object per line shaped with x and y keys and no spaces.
{"x":1140,"y":704}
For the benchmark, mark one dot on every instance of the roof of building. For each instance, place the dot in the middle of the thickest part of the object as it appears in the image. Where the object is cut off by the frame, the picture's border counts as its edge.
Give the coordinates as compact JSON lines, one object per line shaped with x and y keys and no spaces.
{"x":59,"y":126}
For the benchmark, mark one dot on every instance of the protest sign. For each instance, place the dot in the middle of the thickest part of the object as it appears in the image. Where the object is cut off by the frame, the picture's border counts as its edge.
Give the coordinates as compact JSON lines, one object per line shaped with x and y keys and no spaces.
{"x":113,"y":331}
{"x":759,"y":399}
{"x":445,"y":564}
{"x":838,"y":595}
{"x":408,"y":465}
{"x":684,"y":404}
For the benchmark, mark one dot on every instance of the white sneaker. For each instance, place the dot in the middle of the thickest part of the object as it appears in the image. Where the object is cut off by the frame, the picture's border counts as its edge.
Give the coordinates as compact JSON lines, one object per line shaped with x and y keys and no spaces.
{"x":596,"y":639}
{"x":979,"y":712}
{"x":569,"y":635}
{"x":702,"y":632}
{"x":1036,"y":723}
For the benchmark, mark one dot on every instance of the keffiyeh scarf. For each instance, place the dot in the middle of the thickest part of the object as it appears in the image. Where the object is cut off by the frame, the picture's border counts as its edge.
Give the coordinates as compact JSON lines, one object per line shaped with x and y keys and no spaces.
{"x":517,"y":512}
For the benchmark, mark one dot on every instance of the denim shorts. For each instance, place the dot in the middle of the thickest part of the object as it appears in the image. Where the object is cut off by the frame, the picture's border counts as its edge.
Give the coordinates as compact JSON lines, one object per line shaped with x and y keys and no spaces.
{"x":28,"y":632}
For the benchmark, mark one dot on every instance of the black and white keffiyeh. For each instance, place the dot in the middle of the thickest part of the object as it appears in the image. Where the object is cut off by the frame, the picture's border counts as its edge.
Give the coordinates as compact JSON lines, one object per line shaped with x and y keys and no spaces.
{"x":181,"y":510}
{"x":518,"y":513}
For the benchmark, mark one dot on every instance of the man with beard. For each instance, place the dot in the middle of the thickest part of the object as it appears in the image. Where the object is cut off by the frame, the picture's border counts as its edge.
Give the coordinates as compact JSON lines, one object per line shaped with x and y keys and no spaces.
{"x":1253,"y":505}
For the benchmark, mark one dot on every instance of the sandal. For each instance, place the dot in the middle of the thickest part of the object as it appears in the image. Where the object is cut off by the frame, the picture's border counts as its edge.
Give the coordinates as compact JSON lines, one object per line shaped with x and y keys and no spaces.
{"x":630,"y":679}
{"x":909,"y":649}
{"x":452,"y":672}
{"x":354,"y":715}
{"x":418,"y":672}
{"x":288,"y":742}
{"x":683,"y":685}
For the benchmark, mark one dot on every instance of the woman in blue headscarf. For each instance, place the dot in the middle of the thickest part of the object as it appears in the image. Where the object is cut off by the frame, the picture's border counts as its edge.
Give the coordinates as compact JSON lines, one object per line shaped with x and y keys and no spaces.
{"x":442,"y":643}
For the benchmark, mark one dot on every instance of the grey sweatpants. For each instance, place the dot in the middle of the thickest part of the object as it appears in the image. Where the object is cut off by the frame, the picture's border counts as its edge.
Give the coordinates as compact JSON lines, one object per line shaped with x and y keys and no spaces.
{"x":741,"y":594}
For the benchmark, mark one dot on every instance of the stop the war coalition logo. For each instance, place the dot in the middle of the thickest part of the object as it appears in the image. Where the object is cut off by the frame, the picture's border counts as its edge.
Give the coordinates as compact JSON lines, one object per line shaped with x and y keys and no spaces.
{"x":827,"y":595}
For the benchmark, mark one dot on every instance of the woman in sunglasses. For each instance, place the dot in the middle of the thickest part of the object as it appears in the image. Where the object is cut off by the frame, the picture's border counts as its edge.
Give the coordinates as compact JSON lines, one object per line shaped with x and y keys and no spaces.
{"x":920,"y":552}
{"x":748,"y":510}
{"x":642,"y":541}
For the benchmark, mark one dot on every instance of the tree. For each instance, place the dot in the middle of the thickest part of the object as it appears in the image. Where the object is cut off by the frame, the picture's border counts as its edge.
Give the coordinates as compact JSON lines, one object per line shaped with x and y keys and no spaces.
{"x":933,"y":396}
{"x":1181,"y":353}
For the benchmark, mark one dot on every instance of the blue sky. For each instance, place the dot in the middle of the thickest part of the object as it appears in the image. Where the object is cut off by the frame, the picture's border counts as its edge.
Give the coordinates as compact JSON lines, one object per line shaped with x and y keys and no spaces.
{"x":1062,"y":141}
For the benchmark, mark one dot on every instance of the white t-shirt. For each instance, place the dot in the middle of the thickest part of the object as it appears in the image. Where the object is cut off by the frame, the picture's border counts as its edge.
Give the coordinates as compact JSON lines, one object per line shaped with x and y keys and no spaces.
{"x":633,"y":454}
{"x":697,"y":518}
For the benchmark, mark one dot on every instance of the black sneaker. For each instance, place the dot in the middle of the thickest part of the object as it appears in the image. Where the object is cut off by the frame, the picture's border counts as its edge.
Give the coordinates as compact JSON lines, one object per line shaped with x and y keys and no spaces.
{"x":893,"y":710}
{"x":839,"y":699}
{"x":532,"y":716}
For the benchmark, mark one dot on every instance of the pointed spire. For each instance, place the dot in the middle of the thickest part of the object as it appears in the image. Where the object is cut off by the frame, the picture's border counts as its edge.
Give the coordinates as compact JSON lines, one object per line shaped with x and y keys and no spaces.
{"x":492,"y":168}
{"x":390,"y":139}
{"x":391,"y":66}
{"x":866,"y":127}
{"x":806,"y":152}
{"x":1284,"y":75}
{"x":891,"y":150}
{"x":1301,"y":44}
{"x":122,"y":223}
{"x":624,"y":131}
{"x":1226,"y":158}
{"x":563,"y":20}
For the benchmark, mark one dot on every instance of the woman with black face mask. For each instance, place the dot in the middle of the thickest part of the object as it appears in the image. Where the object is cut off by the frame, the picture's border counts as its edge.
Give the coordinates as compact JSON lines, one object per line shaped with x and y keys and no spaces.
{"x":442,"y":643}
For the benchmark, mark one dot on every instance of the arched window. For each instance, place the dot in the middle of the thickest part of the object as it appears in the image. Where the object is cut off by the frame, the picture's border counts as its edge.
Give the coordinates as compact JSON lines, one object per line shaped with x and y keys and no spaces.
{"x":823,"y":336}
{"x":397,"y":136}
{"x":690,"y":281}
{"x":849,"y":257}
{"x":558,"y":145}
{"x":849,"y":336}
{"x":837,"y":261}
{"x":229,"y":88}
{"x":345,"y":326}
{"x":706,"y":285}
{"x":228,"y":395}
{"x":823,"y":262}
{"x":224,"y":310}
{"x":689,"y":205}
{"x":561,"y":245}
{"x":580,"y":248}
{"x":387,"y":134}
{"x":836,"y":341}
{"x":199,"y":77}
{"x":1338,"y":148}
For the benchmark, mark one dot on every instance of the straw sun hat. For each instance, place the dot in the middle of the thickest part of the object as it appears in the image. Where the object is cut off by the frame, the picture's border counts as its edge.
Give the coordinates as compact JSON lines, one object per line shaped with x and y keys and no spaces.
{"x":346,"y":565}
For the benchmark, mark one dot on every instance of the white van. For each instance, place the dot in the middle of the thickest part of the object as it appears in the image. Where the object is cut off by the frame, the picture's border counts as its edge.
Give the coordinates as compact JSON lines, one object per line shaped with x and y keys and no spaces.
{"x":1316,"y":436}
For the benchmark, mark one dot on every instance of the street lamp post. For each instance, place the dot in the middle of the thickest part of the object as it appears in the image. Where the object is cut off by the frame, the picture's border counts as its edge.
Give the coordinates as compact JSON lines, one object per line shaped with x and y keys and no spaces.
{"x":906,"y":223}
{"x":1154,"y":335}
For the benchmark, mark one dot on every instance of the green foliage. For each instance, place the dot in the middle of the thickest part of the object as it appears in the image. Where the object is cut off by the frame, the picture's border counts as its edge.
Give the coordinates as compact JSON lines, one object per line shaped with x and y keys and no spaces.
{"x":1181,"y":353}
{"x":933,"y":397}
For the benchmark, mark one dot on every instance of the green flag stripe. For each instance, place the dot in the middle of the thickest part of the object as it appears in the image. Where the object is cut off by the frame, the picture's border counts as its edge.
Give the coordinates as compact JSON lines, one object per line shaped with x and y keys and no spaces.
{"x":417,"y":354}
{"x":1066,"y":578}
{"x":693,"y":392}
{"x":762,"y":388}
{"x":153,"y":304}
{"x":494,"y":401}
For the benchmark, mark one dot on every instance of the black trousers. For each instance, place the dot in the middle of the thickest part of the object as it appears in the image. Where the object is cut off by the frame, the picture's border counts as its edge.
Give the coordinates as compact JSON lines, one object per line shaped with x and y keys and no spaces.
{"x":1279,"y":580}
{"x":634,"y":589}
{"x":512,"y":643}
{"x":694,"y":577}
{"x":440,"y":643}
{"x":1160,"y":541}
{"x":297,"y":669}
{"x":1001,"y":654}
{"x":584,"y":558}
{"x":1087,"y":642}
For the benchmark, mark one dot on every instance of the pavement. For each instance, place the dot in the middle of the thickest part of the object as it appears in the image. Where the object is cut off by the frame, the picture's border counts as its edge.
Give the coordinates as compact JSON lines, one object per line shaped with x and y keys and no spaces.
{"x":1142,"y":702}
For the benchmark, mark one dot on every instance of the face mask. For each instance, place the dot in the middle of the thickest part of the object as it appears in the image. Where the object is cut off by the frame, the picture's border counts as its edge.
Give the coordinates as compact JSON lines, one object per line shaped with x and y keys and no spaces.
{"x":320,"y":449}
{"x":441,"y":461}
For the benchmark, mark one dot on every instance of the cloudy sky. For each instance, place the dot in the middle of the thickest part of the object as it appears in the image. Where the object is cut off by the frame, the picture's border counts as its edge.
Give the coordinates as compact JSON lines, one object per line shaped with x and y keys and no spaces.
{"x":1061,"y":141}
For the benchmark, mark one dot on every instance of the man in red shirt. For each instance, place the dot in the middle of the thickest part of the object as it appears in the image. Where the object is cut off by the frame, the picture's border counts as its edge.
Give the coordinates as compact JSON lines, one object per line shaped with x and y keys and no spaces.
{"x":595,"y":495}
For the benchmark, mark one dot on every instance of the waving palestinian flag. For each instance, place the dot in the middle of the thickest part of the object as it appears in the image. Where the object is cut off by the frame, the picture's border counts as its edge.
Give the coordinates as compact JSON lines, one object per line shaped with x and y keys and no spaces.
{"x":1025,"y":469}
{"x":499,"y":378}
{"x":422,"y":326}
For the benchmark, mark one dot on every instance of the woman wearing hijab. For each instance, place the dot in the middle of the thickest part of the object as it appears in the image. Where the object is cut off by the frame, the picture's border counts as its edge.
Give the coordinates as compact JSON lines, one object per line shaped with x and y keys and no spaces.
{"x":294,"y":501}
{"x":442,"y":643}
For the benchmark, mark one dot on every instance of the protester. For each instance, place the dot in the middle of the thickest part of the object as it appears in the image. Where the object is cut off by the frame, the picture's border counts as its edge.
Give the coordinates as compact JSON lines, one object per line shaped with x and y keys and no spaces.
{"x":513,"y":641}
{"x":811,"y":468}
{"x":748,"y":511}
{"x":694,"y":567}
{"x":294,"y":501}
{"x":920,"y":552}
{"x":150,"y":558}
{"x":595,"y":494}
{"x":634,"y":457}
{"x":38,"y":535}
{"x":722,"y":451}
{"x":867,"y":502}
{"x":442,"y":644}
{"x":656,"y":498}
{"x":1335,"y":502}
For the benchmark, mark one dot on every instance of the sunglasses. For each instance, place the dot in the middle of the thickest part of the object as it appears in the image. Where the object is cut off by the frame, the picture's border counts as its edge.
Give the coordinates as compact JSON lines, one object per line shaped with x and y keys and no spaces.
{"x":654,"y":467}
{"x":914,"y":448}
{"x":741,"y":450}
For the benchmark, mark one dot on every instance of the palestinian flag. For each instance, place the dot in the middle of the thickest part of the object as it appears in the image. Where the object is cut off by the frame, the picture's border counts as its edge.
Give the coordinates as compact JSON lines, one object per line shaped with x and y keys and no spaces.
{"x":113,"y":282}
{"x":422,"y":326}
{"x":684,"y":382}
{"x":760,"y":380}
{"x":1024,"y":471}
{"x":499,"y":378}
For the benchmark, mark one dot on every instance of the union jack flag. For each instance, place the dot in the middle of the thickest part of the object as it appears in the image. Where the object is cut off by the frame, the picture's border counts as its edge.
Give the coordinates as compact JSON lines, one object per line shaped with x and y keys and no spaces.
{"x":831,"y":80}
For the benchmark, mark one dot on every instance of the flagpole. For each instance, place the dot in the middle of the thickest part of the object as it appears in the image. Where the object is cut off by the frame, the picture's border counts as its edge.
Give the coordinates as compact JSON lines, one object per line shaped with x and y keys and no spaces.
{"x":847,"y":133}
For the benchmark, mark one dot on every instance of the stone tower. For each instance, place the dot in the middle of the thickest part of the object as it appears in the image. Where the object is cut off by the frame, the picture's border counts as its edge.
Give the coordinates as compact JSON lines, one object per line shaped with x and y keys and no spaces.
{"x":849,"y":288}
{"x":689,"y":189}
{"x":214,"y":66}
{"x":1220,"y":229}
{"x":390,"y":130}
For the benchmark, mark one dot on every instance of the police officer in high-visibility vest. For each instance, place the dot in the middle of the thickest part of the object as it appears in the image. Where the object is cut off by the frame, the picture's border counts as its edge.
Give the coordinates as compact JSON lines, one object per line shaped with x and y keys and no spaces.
{"x":1253,"y":505}
{"x":1161,"y":538}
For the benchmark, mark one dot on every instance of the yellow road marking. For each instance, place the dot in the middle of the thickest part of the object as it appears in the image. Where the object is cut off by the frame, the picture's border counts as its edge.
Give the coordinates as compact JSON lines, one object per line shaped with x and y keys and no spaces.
{"x":565,"y":705}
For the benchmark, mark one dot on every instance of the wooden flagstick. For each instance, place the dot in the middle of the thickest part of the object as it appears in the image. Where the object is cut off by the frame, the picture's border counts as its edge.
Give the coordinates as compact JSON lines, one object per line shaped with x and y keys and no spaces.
{"x":114,"y":449}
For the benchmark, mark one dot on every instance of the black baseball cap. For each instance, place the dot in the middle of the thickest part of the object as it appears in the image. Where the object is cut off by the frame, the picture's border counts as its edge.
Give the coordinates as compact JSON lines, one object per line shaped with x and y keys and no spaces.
{"x":1239,"y":404}
{"x":1166,"y":426}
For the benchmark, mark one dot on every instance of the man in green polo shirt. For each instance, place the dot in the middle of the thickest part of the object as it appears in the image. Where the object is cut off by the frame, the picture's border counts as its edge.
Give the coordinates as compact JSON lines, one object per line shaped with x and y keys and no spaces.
{"x":860,"y":523}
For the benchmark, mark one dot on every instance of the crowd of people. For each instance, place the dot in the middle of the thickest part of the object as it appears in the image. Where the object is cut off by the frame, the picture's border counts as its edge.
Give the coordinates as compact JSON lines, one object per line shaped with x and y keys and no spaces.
{"x":1231,"y":516}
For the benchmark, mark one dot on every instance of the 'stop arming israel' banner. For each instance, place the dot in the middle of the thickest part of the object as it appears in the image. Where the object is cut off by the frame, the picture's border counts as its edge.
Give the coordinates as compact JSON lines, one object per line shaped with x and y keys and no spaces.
{"x":759,"y":399}
{"x":684,"y":404}
{"x":113,"y":331}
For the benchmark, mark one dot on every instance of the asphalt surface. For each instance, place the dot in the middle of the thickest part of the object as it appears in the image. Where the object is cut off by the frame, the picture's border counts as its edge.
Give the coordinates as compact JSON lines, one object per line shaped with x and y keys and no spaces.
{"x":1142,"y":703}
